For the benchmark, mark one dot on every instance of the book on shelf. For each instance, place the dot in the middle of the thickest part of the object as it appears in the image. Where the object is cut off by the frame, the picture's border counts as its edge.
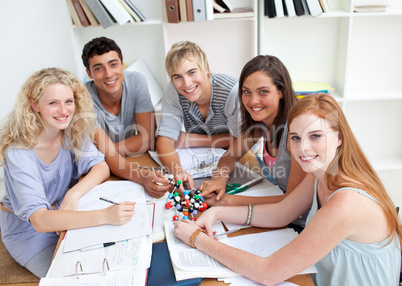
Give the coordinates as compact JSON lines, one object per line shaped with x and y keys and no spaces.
{"x":279,"y":9}
{"x":240,"y":12}
{"x":135,"y":9}
{"x":324,"y":6}
{"x":226,"y":4}
{"x":172,"y":11}
{"x":73,"y":13}
{"x":91,"y":18}
{"x":217,"y":7}
{"x":189,"y":9}
{"x":118,"y":12}
{"x":370,"y":5}
{"x":289,"y":8}
{"x":299,"y":10}
{"x":81,"y":14}
{"x":100,"y":13}
{"x":302,"y":88}
{"x":199,"y":10}
{"x":314,"y":7}
{"x":130,"y":11}
{"x":183,"y":10}
{"x":269,"y":9}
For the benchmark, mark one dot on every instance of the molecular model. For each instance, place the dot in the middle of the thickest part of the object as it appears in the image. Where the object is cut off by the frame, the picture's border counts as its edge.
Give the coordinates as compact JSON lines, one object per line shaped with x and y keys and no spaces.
{"x":190,"y":205}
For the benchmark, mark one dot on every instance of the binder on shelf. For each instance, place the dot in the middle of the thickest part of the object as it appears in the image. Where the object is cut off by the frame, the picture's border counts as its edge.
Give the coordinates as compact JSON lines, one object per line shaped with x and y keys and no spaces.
{"x":100,"y":13}
{"x":172,"y":11}
{"x":189,"y":8}
{"x":199,"y":10}
{"x":314,"y":7}
{"x":298,"y":7}
{"x":118,"y":12}
{"x":91,"y":18}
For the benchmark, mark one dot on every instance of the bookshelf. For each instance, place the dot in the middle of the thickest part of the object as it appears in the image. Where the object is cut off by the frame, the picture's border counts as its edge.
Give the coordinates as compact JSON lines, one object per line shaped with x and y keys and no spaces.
{"x":152,"y":39}
{"x":356,"y":53}
{"x":359,"y":55}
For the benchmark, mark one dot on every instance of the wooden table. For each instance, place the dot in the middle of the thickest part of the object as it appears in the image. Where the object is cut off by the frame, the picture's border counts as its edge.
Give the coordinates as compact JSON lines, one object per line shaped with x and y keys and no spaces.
{"x":250,"y":161}
{"x":145,"y":160}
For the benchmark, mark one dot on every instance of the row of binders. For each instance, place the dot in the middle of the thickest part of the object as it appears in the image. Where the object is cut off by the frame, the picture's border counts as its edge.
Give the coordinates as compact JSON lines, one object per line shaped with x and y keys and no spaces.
{"x":292,"y":8}
{"x":86,"y":13}
{"x":176,"y":11}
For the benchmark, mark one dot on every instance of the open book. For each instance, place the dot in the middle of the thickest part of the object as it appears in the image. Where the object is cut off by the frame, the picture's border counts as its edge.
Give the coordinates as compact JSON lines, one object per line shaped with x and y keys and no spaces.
{"x":189,"y":262}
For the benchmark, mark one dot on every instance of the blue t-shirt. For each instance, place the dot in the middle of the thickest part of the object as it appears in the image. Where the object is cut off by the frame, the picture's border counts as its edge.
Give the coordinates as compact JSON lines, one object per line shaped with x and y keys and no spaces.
{"x":32,"y":185}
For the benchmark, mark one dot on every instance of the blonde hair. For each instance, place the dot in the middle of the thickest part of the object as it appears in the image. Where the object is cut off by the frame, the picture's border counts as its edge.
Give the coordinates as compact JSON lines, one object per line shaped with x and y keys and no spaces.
{"x":24,"y":124}
{"x":350,"y":167}
{"x":182,"y":51}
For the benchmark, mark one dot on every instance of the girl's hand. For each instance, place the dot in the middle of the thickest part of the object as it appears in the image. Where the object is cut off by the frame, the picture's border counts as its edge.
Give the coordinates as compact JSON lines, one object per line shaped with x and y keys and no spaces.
{"x":70,"y":201}
{"x":206,"y":220}
{"x":184,"y":229}
{"x":120,"y":214}
{"x":216,"y":186}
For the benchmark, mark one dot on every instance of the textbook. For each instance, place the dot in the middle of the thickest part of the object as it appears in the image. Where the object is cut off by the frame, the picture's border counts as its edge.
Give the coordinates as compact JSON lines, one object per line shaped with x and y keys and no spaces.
{"x":190,"y":263}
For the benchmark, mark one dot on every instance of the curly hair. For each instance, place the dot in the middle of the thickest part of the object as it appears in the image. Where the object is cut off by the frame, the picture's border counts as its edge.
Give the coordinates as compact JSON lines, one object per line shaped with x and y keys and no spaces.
{"x":23,"y":125}
{"x":97,"y":47}
{"x":185,"y":50}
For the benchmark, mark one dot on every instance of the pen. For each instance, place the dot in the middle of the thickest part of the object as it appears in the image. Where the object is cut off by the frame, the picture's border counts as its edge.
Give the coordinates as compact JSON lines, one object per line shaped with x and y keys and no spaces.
{"x":150,"y":168}
{"x":109,"y":201}
{"x":224,"y":233}
{"x":106,"y":244}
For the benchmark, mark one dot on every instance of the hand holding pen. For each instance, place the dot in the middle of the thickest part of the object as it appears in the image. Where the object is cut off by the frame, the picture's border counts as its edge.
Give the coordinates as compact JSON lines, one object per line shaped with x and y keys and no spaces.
{"x":119,"y":213}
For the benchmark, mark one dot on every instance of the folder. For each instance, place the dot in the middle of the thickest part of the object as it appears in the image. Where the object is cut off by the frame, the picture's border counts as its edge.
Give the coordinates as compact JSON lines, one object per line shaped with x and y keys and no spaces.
{"x":199,"y":10}
{"x":161,"y":270}
{"x":172,"y":11}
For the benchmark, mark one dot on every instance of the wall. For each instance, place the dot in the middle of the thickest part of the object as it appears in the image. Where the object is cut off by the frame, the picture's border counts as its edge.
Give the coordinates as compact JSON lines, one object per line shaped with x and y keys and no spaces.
{"x":34,"y":34}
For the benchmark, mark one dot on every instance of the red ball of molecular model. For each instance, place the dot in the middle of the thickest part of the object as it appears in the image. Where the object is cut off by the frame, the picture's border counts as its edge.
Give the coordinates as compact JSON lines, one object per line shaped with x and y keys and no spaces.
{"x":189,"y":205}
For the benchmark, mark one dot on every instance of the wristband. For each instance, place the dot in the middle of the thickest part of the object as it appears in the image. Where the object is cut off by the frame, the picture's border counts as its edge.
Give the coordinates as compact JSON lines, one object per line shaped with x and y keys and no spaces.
{"x":250,"y":214}
{"x":194,"y":235}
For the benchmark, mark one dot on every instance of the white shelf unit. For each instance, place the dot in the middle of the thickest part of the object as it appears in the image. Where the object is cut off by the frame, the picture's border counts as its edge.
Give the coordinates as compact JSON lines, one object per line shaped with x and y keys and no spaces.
{"x":359,"y":54}
{"x":223,"y":40}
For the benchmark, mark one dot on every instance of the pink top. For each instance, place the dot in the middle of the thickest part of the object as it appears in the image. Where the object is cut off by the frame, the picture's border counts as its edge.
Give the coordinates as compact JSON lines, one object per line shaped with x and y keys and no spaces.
{"x":268,"y":159}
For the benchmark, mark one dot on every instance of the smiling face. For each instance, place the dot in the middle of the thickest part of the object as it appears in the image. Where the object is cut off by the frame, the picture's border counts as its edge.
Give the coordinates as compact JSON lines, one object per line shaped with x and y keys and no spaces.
{"x":107,"y":72}
{"x":261,"y":97}
{"x":56,"y":107}
{"x":192,"y":82}
{"x":313,"y":142}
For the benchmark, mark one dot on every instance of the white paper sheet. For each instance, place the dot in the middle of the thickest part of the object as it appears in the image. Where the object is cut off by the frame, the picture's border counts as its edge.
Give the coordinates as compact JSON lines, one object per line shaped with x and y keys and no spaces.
{"x":117,"y":191}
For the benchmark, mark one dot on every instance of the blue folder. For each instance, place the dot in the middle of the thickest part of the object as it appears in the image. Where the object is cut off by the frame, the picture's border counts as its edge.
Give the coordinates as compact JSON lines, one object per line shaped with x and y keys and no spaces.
{"x":161,"y":273}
